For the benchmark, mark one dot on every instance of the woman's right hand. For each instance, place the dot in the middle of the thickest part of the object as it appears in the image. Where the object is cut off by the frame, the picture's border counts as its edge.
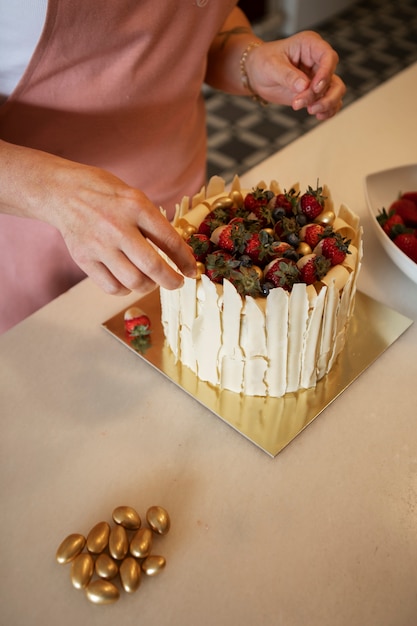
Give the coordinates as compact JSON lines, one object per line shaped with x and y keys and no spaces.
{"x":110,"y":229}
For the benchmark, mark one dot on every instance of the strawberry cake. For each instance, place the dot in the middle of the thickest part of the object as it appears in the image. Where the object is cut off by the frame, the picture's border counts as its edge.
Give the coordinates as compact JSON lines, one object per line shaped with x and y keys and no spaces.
{"x":269,"y":312}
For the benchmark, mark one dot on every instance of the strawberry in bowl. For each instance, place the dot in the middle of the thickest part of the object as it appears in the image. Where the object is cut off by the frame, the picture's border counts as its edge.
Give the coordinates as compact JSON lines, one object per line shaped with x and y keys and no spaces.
{"x":392,"y":204}
{"x":400,"y":223}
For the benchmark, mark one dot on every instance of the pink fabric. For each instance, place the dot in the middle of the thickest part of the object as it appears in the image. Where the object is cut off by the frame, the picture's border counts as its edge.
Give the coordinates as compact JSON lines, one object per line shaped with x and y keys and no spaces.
{"x":112,"y":84}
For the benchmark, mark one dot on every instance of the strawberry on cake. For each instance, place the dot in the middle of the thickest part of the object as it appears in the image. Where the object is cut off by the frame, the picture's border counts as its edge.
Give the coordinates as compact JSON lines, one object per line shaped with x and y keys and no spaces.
{"x":269,"y":311}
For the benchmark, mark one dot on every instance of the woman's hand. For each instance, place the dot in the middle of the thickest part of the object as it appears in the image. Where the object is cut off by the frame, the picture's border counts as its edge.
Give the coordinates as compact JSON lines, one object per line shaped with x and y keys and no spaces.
{"x":298,"y":71}
{"x":110,"y":229}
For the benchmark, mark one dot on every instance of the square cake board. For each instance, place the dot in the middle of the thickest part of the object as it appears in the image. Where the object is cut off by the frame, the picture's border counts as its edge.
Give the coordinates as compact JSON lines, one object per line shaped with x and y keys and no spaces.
{"x":272,"y":423}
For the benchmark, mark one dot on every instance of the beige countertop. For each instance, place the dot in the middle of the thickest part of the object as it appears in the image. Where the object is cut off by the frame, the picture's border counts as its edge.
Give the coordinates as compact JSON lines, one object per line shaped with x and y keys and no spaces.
{"x":325,"y":534}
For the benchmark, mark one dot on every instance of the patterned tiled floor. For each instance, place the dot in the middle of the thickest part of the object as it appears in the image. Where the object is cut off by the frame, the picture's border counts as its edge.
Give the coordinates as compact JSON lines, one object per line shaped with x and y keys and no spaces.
{"x":375,"y":39}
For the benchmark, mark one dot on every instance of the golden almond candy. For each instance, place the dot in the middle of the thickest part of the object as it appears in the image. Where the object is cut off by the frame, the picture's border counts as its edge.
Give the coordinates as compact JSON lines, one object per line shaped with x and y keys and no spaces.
{"x":222,"y":203}
{"x":127,"y":517}
{"x":158,"y":519}
{"x":189,"y":230}
{"x":130,"y":574}
{"x":259,"y":271}
{"x":98,"y":538}
{"x":201,"y":269}
{"x":105,"y":567}
{"x":153,"y":565}
{"x":326,"y":218}
{"x":82,"y":570}
{"x":70,"y":548}
{"x":183,"y":224}
{"x":118,"y":542}
{"x":304,"y":249}
{"x":141,"y":543}
{"x":102,"y":592}
{"x":237,"y":198}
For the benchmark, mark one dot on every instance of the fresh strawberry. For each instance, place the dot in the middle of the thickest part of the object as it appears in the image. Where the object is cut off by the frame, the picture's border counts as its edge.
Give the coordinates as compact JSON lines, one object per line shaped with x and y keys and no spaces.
{"x":311,"y":234}
{"x":220,"y":264}
{"x":201,"y":246}
{"x":246,"y":280}
{"x":140,"y":342}
{"x":333,"y":247}
{"x":287,"y":201}
{"x":260,"y":204}
{"x":254,"y":247}
{"x":406,"y":209}
{"x":286,"y":228}
{"x":392,"y":224}
{"x":280,"y":248}
{"x":389,"y":221}
{"x":256,"y":199}
{"x":232,"y":236}
{"x":407,"y":242}
{"x":238,"y":219}
{"x":221,"y":237}
{"x":282,"y":273}
{"x":136,"y":321}
{"x":215,"y":218}
{"x":260,"y":247}
{"x":312,"y":202}
{"x":410,"y":195}
{"x":313,"y":267}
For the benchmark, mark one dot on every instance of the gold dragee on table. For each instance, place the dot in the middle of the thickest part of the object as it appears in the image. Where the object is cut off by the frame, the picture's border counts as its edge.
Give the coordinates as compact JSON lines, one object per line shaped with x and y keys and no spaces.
{"x":122,"y":550}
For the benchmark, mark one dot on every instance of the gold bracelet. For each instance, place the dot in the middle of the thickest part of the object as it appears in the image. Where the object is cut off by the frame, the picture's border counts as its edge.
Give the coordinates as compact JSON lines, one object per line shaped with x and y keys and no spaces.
{"x":244,"y":74}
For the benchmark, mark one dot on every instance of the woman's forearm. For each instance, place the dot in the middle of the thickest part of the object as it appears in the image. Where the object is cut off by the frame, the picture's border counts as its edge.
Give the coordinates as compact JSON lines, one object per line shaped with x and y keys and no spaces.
{"x":224,"y":59}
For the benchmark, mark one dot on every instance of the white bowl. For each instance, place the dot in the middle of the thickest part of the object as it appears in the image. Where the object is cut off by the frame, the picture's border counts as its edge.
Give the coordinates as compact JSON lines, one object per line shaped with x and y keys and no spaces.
{"x":381,"y":189}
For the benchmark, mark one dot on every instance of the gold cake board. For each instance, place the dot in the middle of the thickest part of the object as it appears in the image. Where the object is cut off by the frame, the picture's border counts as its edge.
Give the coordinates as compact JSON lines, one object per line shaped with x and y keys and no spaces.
{"x":272,"y":423}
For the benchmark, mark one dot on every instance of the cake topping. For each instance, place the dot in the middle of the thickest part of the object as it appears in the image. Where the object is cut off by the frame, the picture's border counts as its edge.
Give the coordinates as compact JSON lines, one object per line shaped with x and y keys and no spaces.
{"x":241,"y":235}
{"x":269,"y":312}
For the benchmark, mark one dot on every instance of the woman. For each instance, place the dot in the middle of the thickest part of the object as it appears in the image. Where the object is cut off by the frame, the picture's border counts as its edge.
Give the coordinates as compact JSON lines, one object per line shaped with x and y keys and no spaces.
{"x":106,"y":124}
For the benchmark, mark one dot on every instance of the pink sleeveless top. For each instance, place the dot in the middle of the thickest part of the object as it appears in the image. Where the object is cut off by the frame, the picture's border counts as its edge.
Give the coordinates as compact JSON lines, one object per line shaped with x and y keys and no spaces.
{"x":115,"y":85}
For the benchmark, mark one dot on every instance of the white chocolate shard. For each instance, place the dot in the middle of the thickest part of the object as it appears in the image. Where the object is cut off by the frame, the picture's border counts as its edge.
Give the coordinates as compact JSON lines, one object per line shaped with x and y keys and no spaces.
{"x":253,"y":342}
{"x":188,"y":310}
{"x":345,"y":230}
{"x":252,"y":337}
{"x":274,"y":187}
{"x":254,"y":376}
{"x":170,"y":310}
{"x":328,"y":329}
{"x":215,"y":187}
{"x":196,"y":216}
{"x":198,"y":197}
{"x":277,"y":305}
{"x":352,"y":219}
{"x":231,"y":355}
{"x":351,"y":259}
{"x":206,"y":334}
{"x":338,"y":274}
{"x":312,"y":340}
{"x":235,"y":186}
{"x":297,"y":316}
